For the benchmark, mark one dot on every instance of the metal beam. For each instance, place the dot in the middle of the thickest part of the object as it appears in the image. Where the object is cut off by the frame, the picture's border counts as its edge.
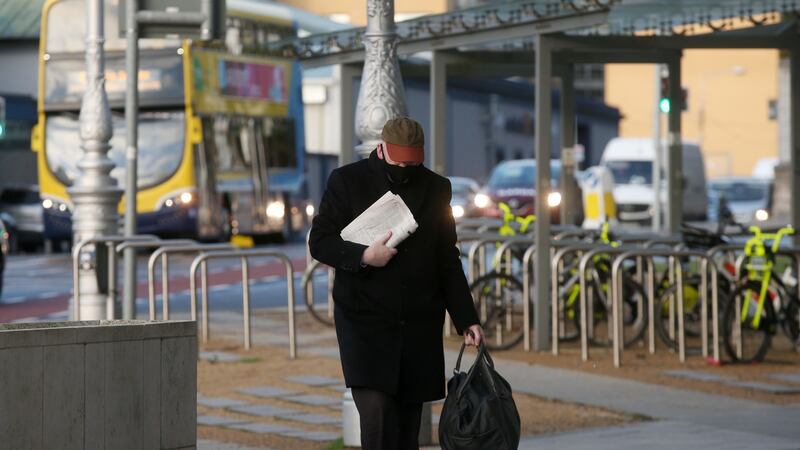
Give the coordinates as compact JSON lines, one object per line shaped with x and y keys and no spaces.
{"x":347,"y":76}
{"x":438,"y":103}
{"x":507,"y":33}
{"x":613,"y":56}
{"x":675,"y":181}
{"x":568,"y":184}
{"x":782,"y":35}
{"x":794,"y":134}
{"x":542,"y":239}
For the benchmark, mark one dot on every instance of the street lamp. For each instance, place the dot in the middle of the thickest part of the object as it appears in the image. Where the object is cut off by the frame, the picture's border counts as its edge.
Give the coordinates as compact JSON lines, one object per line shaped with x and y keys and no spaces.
{"x":95,"y":193}
{"x":381,"y":96}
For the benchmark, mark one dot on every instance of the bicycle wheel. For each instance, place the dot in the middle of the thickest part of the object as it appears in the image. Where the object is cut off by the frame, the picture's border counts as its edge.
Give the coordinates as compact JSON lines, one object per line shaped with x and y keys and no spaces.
{"x":634,"y":311}
{"x":750,"y":342}
{"x":498,"y":299}
{"x":569,"y":310}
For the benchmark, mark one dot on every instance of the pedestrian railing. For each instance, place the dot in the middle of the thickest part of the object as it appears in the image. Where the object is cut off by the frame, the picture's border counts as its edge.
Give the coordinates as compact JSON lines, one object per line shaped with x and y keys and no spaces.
{"x":163,"y":253}
{"x":78,"y":252}
{"x":243,"y":255}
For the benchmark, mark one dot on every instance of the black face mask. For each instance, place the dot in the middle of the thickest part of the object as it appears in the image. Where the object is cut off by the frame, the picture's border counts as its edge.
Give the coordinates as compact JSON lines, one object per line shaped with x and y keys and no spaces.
{"x":399,"y":174}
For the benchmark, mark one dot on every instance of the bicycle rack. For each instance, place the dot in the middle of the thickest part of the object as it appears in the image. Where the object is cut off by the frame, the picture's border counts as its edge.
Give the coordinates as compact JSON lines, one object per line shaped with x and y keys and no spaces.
{"x":110,"y":241}
{"x":616,"y":304}
{"x":585,"y":312}
{"x":243,"y":255}
{"x":556,"y":269}
{"x":478,"y":250}
{"x":307,"y":284}
{"x":505,"y":249}
{"x":163,"y":253}
{"x":578,"y":233}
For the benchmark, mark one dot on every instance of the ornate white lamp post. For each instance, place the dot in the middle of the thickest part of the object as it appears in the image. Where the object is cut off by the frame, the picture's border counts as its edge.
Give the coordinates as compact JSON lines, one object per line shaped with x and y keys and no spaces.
{"x":382,"y":96}
{"x":95,"y":193}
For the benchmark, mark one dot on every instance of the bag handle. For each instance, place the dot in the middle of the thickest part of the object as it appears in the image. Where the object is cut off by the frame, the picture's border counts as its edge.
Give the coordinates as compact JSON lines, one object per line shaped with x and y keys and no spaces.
{"x":461,"y":353}
{"x":484,"y":362}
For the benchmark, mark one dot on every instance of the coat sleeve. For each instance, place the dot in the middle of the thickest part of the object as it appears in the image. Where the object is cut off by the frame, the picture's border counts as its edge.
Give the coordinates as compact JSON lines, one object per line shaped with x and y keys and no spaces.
{"x":458,"y":299}
{"x":335,"y":212}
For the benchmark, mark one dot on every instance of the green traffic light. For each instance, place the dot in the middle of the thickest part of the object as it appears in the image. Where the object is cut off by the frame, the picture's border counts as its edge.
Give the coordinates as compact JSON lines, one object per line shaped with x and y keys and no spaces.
{"x":663,"y":105}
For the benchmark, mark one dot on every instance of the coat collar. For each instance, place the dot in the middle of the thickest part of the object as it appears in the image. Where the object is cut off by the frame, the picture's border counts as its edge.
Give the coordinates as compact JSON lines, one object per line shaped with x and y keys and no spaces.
{"x":414,"y":195}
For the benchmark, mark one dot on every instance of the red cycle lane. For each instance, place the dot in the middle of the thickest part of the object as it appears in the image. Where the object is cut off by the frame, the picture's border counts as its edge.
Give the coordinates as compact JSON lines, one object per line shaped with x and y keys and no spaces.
{"x":42,"y":306}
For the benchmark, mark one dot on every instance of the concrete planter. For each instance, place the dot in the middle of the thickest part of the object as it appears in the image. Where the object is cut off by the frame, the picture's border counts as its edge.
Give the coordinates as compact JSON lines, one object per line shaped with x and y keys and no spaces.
{"x":98,"y":385}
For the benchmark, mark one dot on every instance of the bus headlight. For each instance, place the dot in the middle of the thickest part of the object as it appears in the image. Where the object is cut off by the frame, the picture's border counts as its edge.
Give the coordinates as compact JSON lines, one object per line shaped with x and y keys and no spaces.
{"x":276,"y":210}
{"x":183,"y":199}
{"x":762,"y":215}
{"x":553,"y":199}
{"x":482,"y":200}
{"x":309,"y":210}
{"x":55,"y":205}
{"x":458,"y":211}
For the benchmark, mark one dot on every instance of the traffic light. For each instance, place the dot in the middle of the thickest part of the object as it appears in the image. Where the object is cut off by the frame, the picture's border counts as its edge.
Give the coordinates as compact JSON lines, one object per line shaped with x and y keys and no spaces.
{"x":2,"y":117}
{"x":664,"y":104}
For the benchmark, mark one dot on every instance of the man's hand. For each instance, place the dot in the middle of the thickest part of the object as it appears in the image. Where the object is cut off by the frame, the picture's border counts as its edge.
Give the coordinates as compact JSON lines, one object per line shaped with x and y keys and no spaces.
{"x":378,"y":254}
{"x":473,"y":335}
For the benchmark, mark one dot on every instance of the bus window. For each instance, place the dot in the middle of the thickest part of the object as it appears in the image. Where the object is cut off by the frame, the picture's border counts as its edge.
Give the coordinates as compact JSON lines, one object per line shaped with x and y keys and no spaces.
{"x":160,"y":147}
{"x":278,"y":134}
{"x":231,"y":141}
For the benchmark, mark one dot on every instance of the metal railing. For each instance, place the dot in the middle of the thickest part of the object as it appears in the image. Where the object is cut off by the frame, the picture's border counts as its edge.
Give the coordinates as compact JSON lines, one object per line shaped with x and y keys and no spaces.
{"x":616,"y":303}
{"x":243,"y":255}
{"x":110,"y":241}
{"x":307,"y":285}
{"x":163,"y":254}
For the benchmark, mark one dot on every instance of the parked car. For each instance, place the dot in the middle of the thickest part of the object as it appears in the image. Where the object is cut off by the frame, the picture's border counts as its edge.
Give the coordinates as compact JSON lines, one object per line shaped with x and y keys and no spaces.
{"x":630,"y":161}
{"x":513,"y":183}
{"x":463,"y":199}
{"x":24,"y":205}
{"x":4,"y":248}
{"x":749,"y":199}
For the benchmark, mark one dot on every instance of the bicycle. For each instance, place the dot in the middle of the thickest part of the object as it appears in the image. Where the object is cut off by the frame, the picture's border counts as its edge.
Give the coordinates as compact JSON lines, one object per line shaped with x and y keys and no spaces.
{"x":760,"y":303}
{"x":498,"y":294}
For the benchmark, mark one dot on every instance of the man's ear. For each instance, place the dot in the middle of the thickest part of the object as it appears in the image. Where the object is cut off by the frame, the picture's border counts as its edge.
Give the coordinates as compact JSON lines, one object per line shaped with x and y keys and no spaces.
{"x":380,"y":151}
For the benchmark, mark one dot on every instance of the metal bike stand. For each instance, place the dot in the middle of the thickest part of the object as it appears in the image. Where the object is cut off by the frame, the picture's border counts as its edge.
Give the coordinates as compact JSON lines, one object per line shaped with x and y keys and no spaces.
{"x":307,"y":282}
{"x":556,"y":268}
{"x":587,"y":310}
{"x":706,"y":263}
{"x":577,"y":234}
{"x":504,"y":251}
{"x":163,"y":253}
{"x":243,"y":255}
{"x":109,"y":241}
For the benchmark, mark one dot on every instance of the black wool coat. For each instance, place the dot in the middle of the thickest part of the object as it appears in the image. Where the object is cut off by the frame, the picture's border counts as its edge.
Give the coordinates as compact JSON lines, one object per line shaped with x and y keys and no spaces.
{"x":389,"y":320}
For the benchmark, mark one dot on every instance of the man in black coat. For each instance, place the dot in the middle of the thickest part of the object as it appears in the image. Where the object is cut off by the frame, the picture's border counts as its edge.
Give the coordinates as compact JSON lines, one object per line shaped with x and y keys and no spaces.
{"x":389,"y":303}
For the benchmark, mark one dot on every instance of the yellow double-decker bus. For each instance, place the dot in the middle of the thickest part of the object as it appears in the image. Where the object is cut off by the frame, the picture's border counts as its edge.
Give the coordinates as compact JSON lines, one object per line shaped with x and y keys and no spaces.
{"x":221,"y":138}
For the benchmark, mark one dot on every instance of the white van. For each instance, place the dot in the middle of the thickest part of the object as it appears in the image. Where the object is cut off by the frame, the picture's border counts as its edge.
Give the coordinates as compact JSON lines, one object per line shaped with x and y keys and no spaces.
{"x":630,"y":161}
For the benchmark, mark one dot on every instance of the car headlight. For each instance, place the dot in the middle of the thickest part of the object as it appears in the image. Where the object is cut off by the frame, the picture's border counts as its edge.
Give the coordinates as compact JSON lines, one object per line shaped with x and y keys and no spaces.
{"x":276,"y":210}
{"x":553,"y":199}
{"x":55,"y":205}
{"x":182,"y":199}
{"x":458,"y":211}
{"x":309,"y":210}
{"x":482,"y":200}
{"x":762,"y":215}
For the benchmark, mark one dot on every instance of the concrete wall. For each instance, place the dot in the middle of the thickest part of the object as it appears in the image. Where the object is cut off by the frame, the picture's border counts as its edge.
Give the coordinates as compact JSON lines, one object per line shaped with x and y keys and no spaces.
{"x":98,"y":385}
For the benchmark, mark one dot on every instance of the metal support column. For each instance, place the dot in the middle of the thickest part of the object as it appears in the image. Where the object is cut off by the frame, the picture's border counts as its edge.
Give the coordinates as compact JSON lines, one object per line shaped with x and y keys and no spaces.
{"x":657,"y":152}
{"x":675,"y":183}
{"x":794,"y":134}
{"x":95,"y":193}
{"x":542,"y":123}
{"x":438,"y":125}
{"x":569,"y":186}
{"x":131,"y":157}
{"x":347,"y":75}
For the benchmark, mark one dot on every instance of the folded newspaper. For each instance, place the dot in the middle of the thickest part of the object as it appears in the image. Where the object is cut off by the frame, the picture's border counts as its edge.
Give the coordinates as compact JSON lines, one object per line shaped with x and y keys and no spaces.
{"x":387,"y":213}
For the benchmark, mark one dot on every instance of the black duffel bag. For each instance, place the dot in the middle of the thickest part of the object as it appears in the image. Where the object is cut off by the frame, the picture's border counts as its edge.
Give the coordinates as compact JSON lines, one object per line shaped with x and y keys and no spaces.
{"x":479,"y":412}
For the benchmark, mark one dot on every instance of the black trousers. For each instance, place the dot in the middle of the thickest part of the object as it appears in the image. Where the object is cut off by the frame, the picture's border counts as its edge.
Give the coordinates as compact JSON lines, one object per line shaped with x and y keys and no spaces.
{"x":386,"y":422}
